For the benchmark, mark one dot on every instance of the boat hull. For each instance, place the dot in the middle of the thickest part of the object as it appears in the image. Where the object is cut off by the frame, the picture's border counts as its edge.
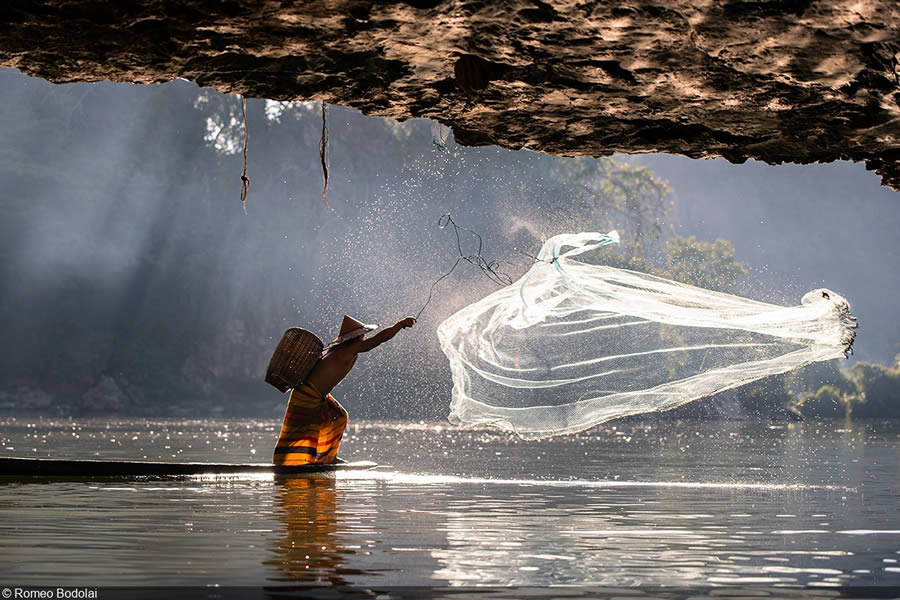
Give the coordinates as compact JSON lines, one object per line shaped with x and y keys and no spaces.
{"x":50,"y":467}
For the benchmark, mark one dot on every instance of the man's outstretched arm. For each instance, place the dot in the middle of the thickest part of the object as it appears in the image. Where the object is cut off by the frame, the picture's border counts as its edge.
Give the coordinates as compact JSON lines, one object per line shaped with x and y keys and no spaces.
{"x":383,"y":336}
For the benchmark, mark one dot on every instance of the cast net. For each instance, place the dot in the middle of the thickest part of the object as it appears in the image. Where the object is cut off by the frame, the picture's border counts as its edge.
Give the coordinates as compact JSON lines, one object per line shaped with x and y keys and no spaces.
{"x":572,"y":344}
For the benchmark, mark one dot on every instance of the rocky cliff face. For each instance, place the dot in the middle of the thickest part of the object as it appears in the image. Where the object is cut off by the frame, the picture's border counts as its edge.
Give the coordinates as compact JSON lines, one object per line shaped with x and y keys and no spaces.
{"x":780,"y":81}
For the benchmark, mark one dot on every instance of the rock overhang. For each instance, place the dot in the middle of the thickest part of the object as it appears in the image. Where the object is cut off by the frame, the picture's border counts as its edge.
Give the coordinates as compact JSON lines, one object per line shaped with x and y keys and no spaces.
{"x":793,"y":81}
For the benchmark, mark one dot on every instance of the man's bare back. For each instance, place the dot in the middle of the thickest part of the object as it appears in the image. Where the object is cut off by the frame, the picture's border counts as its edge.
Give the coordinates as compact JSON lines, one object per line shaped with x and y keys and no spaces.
{"x":338,"y":360}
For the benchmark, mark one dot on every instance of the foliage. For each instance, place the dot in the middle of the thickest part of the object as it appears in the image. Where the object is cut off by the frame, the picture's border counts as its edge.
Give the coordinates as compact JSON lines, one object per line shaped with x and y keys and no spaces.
{"x":630,"y":198}
{"x":878,"y":390}
{"x":865,"y":390}
{"x":707,"y":265}
{"x":826,"y":402}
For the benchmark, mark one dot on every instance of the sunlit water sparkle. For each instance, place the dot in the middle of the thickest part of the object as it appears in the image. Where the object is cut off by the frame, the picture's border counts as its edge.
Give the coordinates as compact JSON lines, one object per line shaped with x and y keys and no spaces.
{"x":672,"y":503}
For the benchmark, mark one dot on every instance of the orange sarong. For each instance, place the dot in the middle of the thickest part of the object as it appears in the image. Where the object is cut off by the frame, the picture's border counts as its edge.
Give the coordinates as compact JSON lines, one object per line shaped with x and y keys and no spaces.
{"x":312,"y":428}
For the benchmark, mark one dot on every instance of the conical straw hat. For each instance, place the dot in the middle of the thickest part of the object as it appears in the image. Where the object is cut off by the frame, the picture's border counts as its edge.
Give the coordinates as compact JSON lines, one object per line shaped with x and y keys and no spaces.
{"x":351,"y":328}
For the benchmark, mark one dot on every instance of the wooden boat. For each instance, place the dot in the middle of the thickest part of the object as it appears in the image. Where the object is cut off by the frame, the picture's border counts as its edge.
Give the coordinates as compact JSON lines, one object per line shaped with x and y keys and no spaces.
{"x":51,"y":467}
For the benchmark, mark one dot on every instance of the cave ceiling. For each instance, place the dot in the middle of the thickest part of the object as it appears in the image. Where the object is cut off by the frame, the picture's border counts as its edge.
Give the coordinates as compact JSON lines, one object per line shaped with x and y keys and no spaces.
{"x":796,"y":81}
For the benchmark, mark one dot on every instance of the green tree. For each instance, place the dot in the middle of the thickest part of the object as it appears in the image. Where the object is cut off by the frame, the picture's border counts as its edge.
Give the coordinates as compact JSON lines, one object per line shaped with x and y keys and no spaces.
{"x":826,"y":402}
{"x":708,"y":265}
{"x":631,"y":199}
{"x":865,"y":390}
{"x":878,"y":390}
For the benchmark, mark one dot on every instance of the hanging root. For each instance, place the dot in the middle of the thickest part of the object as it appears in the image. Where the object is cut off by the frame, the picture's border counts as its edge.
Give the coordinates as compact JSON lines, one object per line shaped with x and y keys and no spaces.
{"x":245,"y":181}
{"x":323,"y":146}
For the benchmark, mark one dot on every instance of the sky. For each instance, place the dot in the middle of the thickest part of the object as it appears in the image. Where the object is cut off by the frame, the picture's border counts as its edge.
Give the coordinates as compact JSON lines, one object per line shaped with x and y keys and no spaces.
{"x":127,"y":252}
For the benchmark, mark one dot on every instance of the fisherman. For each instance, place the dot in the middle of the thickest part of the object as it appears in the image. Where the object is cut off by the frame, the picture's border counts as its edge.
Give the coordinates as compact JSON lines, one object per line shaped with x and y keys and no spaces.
{"x":314,"y":421}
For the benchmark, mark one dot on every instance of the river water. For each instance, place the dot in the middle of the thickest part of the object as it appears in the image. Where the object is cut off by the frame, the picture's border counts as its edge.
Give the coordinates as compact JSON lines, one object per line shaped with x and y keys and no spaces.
{"x":691,"y":504}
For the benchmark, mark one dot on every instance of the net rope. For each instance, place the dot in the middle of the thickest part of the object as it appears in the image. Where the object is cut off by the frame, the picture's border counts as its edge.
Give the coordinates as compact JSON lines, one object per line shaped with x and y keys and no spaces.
{"x":490,"y":268}
{"x":574,"y":343}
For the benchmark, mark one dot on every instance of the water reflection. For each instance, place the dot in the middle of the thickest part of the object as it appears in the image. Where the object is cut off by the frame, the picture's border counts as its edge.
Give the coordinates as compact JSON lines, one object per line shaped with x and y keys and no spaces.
{"x":310,"y":549}
{"x":350,"y":529}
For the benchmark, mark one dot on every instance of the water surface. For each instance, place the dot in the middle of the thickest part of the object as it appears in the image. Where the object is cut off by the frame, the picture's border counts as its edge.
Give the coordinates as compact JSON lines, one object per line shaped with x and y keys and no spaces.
{"x":671,"y":504}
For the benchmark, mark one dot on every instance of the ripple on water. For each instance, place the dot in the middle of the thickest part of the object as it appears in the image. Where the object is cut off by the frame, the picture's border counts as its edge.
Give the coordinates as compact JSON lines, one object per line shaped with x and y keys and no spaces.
{"x":742,"y":505}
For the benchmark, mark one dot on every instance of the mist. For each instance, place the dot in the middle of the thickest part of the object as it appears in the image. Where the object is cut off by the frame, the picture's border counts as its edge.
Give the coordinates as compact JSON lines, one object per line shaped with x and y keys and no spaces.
{"x":130,"y":261}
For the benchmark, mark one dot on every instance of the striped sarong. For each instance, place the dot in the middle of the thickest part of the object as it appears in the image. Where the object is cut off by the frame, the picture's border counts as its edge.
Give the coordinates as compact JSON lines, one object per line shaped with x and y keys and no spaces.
{"x":312,"y":428}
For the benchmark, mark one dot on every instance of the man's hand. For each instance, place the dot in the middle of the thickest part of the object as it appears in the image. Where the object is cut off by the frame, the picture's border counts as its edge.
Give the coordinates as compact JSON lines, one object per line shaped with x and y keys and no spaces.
{"x":407,"y":322}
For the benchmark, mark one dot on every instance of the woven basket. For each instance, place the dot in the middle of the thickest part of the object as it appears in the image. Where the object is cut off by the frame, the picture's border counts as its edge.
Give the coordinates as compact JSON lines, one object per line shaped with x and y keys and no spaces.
{"x":297,"y":353}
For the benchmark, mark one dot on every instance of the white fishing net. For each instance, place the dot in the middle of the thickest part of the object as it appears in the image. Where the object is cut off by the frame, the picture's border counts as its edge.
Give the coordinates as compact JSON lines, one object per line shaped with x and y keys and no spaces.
{"x":573,"y":344}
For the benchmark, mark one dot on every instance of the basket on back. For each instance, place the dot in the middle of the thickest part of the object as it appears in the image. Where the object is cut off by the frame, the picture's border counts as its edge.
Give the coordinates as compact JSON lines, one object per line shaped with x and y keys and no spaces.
{"x":297,"y":353}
